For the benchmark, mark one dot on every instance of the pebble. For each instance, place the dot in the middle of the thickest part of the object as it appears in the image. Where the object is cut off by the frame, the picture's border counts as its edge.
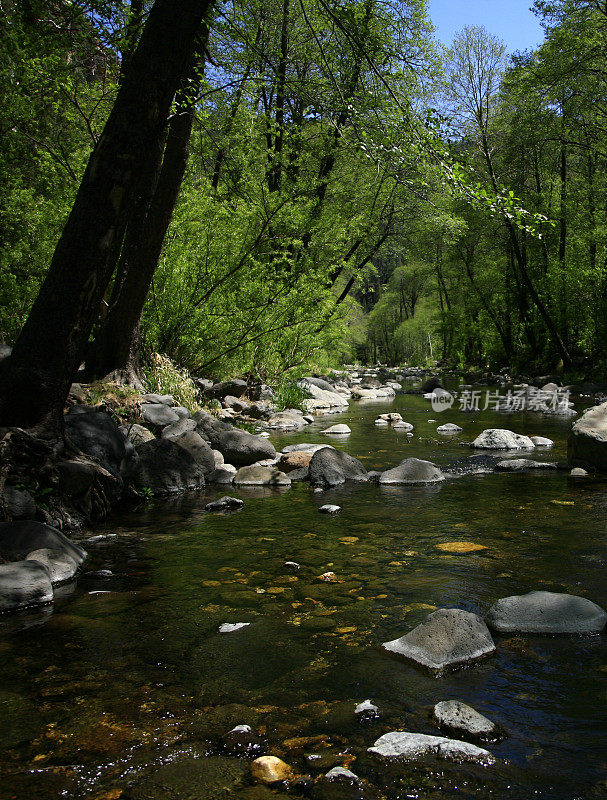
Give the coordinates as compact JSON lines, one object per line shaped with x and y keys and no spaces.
{"x":329,"y":509}
{"x":270,"y":769}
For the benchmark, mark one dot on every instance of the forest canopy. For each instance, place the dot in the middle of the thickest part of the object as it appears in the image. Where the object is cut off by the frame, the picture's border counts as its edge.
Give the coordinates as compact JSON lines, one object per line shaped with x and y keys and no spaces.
{"x":326,"y":183}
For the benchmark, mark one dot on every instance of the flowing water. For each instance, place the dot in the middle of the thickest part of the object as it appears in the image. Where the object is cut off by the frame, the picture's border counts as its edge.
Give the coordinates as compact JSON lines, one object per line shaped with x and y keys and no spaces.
{"x":125,"y":687}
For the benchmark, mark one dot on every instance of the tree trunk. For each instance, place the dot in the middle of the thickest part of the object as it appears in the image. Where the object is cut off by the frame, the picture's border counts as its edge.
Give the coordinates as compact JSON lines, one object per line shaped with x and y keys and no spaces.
{"x":47,"y":354}
{"x":116,"y":346}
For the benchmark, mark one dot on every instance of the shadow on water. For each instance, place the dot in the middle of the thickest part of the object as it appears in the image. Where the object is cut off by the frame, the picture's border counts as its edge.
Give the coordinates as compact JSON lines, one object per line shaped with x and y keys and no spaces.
{"x":120,"y":688}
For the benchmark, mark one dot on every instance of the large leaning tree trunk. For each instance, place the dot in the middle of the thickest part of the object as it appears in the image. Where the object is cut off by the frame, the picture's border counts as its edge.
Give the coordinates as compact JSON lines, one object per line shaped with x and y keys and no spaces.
{"x":115,"y":350}
{"x":35,"y":381}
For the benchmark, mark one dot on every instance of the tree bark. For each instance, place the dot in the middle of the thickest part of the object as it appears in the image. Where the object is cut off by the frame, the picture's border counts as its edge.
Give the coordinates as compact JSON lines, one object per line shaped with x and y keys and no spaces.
{"x":35,"y":382}
{"x":116,"y":346}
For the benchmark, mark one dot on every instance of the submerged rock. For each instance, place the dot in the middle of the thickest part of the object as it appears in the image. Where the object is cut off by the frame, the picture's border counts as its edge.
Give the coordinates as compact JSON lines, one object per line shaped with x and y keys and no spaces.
{"x":412,"y":470}
{"x":523,"y":465}
{"x":502,"y":439}
{"x":224,"y":503}
{"x":447,"y":638}
{"x":414,"y":746}
{"x":270,"y":769}
{"x":464,"y":720}
{"x":546,"y":612}
{"x":366,"y":710}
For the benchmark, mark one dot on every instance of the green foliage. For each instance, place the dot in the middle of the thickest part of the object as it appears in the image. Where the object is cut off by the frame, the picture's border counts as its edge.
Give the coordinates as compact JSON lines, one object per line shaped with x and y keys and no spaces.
{"x":289,"y":395}
{"x":164,"y":377}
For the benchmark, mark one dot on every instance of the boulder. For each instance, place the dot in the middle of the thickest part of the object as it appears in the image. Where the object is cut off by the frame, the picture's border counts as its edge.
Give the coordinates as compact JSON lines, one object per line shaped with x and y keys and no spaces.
{"x":449,"y":427}
{"x":176,"y":429}
{"x":402,"y":426}
{"x":322,"y":398}
{"x":235,"y":403}
{"x":255,"y":475}
{"x":587,"y":443}
{"x":287,"y":420}
{"x":164,"y":467}
{"x":299,"y":459}
{"x":23,"y":584}
{"x":380,"y":393}
{"x":158,"y":415}
{"x":318,"y":382}
{"x":337,"y":430}
{"x":412,"y":470}
{"x":19,"y":503}
{"x":541,"y":441}
{"x":415,"y":746}
{"x":447,"y":638}
{"x":463,"y":720}
{"x":236,"y":388}
{"x":137,"y":434}
{"x":222,"y":476}
{"x":546,"y":612}
{"x":60,"y":566}
{"x":18,"y":539}
{"x":241,"y":448}
{"x":159,"y":399}
{"x":502,"y":439}
{"x":200,"y":451}
{"x":96,"y":434}
{"x":329,"y":467}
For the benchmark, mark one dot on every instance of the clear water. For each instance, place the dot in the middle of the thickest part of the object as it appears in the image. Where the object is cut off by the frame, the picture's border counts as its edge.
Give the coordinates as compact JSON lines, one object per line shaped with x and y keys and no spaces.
{"x":128,"y":673}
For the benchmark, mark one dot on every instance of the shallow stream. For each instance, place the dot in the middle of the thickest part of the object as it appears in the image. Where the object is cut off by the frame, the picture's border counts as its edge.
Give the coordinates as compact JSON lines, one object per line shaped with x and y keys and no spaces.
{"x":125,"y":687}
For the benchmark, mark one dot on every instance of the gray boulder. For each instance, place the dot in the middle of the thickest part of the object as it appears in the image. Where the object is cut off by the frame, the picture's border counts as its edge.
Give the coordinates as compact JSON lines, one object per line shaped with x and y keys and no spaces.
{"x":287,"y":420}
{"x":447,"y":638}
{"x":587,"y":443}
{"x":255,"y":475}
{"x":449,"y":427}
{"x":61,"y":566}
{"x":96,"y":434}
{"x":158,"y":414}
{"x":329,"y":467}
{"x":176,"y":429}
{"x":546,"y":612}
{"x":200,"y":451}
{"x":236,"y":388}
{"x":463,"y":720}
{"x":162,"y":399}
{"x":415,"y":746}
{"x":166,"y":468}
{"x":412,"y":470}
{"x":319,"y":382}
{"x":242,"y":448}
{"x":137,"y":434}
{"x":502,"y":439}
{"x":18,"y":539}
{"x":23,"y":584}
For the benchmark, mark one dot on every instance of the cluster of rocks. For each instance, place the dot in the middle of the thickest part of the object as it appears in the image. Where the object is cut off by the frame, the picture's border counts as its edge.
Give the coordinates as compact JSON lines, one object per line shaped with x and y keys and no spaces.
{"x":451,"y":638}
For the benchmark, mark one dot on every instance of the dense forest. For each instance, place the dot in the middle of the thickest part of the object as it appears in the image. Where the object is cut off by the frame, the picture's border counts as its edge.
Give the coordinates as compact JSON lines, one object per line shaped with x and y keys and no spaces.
{"x":256,"y":187}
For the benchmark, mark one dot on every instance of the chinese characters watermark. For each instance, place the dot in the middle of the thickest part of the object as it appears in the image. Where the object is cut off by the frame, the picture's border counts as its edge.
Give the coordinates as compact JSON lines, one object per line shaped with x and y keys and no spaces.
{"x":524,"y":399}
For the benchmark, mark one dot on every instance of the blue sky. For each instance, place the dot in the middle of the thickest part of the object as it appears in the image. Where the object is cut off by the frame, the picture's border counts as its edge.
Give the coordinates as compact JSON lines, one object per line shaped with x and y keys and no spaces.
{"x":510,"y":20}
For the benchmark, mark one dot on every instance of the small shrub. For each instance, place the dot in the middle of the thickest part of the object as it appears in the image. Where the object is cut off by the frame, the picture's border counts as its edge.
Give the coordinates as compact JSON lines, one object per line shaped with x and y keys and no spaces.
{"x":164,"y":377}
{"x":289,"y":395}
